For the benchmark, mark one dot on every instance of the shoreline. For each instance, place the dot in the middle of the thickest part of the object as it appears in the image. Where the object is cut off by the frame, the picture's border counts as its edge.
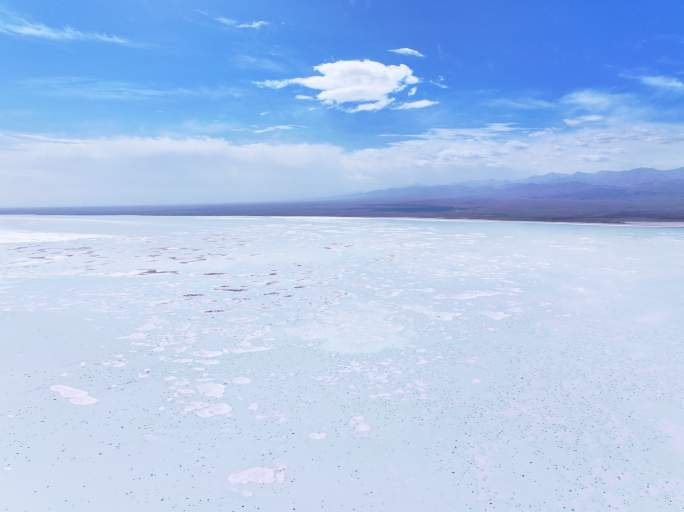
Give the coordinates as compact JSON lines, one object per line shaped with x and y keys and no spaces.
{"x":626,"y":223}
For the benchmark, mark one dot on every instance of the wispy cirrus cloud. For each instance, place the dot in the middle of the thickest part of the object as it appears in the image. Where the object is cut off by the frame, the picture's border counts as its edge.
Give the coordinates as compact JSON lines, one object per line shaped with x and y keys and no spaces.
{"x":590,"y":99}
{"x":440,"y":82}
{"x":407,"y":51}
{"x":520,"y":103}
{"x":662,"y":82}
{"x":218,"y":127}
{"x":105,"y":90}
{"x":17,"y":26}
{"x":589,"y":118}
{"x":276,"y":128}
{"x":585,"y":106}
{"x":412,"y":105}
{"x":357,"y":85}
{"x":229,"y":22}
{"x":254,"y":24}
{"x":261,"y":62}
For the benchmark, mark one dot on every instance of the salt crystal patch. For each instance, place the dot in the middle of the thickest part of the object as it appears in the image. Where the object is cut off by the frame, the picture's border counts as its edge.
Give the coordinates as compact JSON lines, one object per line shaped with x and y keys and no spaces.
{"x":84,"y":400}
{"x":247,"y":350}
{"x":360,"y":424}
{"x":210,"y":353}
{"x":241,"y":380}
{"x":74,"y":395}
{"x":23,"y":237}
{"x":258,"y":475}
{"x":211,"y":389}
{"x":119,"y":362}
{"x":474,"y":295}
{"x":496,"y":315}
{"x":318,"y":436}
{"x":214,"y":410}
{"x":68,"y":391}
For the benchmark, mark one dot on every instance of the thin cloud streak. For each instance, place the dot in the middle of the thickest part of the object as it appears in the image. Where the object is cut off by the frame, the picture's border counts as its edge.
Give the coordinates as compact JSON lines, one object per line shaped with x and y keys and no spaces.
{"x":76,"y":87}
{"x":12,"y":25}
{"x":407,"y":52}
{"x":663,"y":82}
{"x":520,"y":103}
{"x":229,"y":22}
{"x":412,"y":105}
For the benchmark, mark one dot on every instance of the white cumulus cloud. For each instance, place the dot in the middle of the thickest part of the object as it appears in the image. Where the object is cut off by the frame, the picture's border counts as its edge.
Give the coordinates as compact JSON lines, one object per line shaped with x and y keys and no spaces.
{"x":358,"y":85}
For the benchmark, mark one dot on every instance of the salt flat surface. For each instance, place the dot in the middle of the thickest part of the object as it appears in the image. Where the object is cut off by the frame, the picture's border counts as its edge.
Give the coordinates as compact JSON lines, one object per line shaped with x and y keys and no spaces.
{"x":220,"y":364}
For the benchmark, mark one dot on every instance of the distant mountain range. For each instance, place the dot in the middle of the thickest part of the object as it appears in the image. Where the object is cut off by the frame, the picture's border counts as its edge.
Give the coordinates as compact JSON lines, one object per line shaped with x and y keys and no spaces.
{"x":637,"y":194}
{"x":609,"y":196}
{"x":581,"y":185}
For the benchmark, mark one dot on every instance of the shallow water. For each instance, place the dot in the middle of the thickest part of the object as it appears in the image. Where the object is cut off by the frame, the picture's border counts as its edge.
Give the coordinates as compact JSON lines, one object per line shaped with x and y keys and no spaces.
{"x":204,"y":364}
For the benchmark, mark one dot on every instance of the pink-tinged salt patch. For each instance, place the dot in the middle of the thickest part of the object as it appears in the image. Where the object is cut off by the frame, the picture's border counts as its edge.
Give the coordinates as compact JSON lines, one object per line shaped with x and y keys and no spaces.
{"x":317,"y":436}
{"x":476,"y":381}
{"x":258,"y":475}
{"x":74,"y":395}
{"x":241,"y":380}
{"x":211,"y":389}
{"x":253,"y":407}
{"x":359,"y":424}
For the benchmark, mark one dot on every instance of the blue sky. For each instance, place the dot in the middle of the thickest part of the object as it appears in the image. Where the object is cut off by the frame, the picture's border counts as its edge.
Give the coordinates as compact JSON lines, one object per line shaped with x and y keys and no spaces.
{"x":212,"y":101}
